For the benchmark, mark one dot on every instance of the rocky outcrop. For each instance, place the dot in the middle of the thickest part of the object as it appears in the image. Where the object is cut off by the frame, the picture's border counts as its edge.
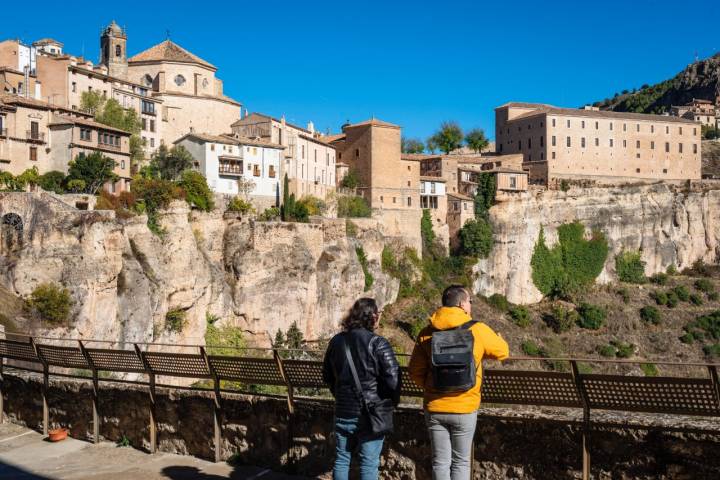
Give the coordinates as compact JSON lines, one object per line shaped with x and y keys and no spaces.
{"x":669,"y":225}
{"x":124,"y":279}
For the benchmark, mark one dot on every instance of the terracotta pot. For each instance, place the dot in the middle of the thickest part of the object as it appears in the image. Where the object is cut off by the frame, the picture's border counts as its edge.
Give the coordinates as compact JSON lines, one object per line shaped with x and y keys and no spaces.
{"x":58,"y":434}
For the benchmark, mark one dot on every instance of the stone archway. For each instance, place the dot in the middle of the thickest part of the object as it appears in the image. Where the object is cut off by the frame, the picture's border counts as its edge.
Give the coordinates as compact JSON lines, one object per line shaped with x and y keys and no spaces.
{"x":11,"y":233}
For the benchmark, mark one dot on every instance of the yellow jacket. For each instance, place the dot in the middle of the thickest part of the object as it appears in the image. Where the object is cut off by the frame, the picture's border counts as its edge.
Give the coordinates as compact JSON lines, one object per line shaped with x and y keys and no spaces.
{"x":487,"y":344}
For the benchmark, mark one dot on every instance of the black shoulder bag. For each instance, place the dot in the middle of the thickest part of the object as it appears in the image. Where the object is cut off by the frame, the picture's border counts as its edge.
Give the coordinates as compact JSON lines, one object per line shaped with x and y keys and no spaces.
{"x":379,"y":414}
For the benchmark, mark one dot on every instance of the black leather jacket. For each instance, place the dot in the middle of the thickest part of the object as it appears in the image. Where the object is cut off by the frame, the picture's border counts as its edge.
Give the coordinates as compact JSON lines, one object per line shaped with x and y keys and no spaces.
{"x":376,"y":366}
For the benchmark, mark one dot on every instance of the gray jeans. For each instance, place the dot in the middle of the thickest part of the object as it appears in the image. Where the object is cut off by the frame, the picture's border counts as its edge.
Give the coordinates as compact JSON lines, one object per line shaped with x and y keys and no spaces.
{"x":451,"y":439}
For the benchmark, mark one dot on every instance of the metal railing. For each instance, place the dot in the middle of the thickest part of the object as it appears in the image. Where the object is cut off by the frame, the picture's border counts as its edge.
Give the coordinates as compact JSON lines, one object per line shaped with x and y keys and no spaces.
{"x":302,"y":369}
{"x":3,"y":132}
{"x":35,"y":136}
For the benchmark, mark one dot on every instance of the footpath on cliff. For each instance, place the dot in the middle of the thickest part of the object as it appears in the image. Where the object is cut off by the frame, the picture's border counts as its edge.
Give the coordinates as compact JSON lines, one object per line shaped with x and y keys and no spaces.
{"x":24,"y":454}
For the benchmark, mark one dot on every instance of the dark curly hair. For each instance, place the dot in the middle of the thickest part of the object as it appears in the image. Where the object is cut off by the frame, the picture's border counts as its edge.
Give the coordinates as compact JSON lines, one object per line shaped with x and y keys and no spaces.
{"x":362,"y":315}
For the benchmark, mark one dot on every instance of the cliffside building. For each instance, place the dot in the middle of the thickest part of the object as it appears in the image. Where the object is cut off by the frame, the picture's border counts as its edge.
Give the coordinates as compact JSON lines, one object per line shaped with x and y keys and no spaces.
{"x":18,"y":69}
{"x":588,"y":144}
{"x":228,"y":160}
{"x":703,"y":111}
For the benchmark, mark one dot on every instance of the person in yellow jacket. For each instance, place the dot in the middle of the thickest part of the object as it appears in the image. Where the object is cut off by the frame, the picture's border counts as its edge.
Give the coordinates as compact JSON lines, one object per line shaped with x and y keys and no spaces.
{"x":451,"y":417}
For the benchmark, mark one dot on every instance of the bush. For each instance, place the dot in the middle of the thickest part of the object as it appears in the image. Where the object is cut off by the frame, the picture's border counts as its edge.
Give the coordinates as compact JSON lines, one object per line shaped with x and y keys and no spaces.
{"x":520,"y":316}
{"x":672,"y":299}
{"x":696,"y":299}
{"x":607,"y":350}
{"x":700,"y":268}
{"x":369,"y":279}
{"x":671,"y":270}
{"x":659,"y":278}
{"x":660,"y":298}
{"x":476,"y":238}
{"x":76,"y":185}
{"x":351,"y":180}
{"x":53,"y":181}
{"x":426,"y":230}
{"x":175,"y":320}
{"x":624,"y":350}
{"x":561,"y":319}
{"x":630,"y":268}
{"x":704,"y":285}
{"x":713,"y":296}
{"x":649,"y":369}
{"x":197,"y":192}
{"x":650,"y":314}
{"x":123,"y":203}
{"x":591,"y":316}
{"x":572,"y":264}
{"x":226,"y":340}
{"x":352,"y":207}
{"x":530,"y":348}
{"x":240,"y":205}
{"x":269,"y":215}
{"x":624,"y":293}
{"x":712,"y":350}
{"x":704,"y":327}
{"x":51,"y":302}
{"x":499,"y":302}
{"x":94,"y":169}
{"x":155,"y":194}
{"x":682,"y":293}
{"x":564,"y":185}
{"x":314,"y":205}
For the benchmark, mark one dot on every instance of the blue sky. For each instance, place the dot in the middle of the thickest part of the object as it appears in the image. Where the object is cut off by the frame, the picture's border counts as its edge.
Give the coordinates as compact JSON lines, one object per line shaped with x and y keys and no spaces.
{"x":411,"y":63}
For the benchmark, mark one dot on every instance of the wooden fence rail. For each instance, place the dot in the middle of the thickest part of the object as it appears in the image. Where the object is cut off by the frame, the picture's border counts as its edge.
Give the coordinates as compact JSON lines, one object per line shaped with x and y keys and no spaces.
{"x":586,"y":391}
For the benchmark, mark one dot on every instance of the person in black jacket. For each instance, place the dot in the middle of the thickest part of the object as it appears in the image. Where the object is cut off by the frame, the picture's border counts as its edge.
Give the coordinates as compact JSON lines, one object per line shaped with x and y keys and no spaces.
{"x":379,"y":377}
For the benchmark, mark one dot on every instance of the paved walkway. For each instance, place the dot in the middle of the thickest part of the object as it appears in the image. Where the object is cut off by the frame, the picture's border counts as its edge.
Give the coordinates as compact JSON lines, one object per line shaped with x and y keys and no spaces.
{"x":25,"y":455}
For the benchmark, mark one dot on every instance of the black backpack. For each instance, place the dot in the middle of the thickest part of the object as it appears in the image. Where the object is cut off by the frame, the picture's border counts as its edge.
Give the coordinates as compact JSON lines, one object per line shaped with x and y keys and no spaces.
{"x":453,"y":362}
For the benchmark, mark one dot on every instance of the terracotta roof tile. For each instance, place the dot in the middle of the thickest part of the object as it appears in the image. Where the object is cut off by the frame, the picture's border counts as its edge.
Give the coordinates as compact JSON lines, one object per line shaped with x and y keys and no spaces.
{"x":543,"y":109}
{"x":65,"y":120}
{"x":168,"y":51}
{"x":374,"y":122}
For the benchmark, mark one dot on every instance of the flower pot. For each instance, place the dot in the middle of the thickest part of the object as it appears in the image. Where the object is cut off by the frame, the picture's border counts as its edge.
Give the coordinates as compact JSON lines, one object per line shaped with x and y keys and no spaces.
{"x":58,"y":434}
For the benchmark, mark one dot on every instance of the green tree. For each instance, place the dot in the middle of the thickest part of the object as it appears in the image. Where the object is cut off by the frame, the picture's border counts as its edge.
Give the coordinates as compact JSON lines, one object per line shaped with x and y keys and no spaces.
{"x":279,"y":339}
{"x":110,"y":112}
{"x":426,"y":230}
{"x":349,"y":206}
{"x":169,"y":163}
{"x":350,"y":180}
{"x":485,"y":194}
{"x":449,"y":137}
{"x":92,"y":102}
{"x":294,"y":337}
{"x":94,"y":169}
{"x":196,"y":190}
{"x":53,"y":181}
{"x":29,"y":177}
{"x":411,"y":145}
{"x":476,"y":238}
{"x":431,"y":144}
{"x":52,"y":302}
{"x":476,"y":139}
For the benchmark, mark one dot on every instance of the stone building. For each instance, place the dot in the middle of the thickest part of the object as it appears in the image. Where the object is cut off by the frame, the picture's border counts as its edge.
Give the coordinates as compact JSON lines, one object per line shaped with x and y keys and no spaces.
{"x":36,"y":134}
{"x":588,"y":144}
{"x":191,"y":95}
{"x":48,"y":46}
{"x":18,"y":69}
{"x":449,"y":167}
{"x":703,"y":111}
{"x":460,"y":209}
{"x":226,"y":160}
{"x":433,"y":198}
{"x":309,"y":162}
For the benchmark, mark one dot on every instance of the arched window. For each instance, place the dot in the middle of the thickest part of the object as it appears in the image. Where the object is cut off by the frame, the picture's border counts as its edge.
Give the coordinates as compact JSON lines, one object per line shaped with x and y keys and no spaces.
{"x":118,"y":51}
{"x":148,"y":80}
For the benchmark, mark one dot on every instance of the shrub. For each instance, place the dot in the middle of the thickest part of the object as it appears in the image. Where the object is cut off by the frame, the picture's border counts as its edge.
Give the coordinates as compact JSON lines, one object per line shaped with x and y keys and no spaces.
{"x":226,"y":340}
{"x":630,"y":268}
{"x":530,"y":348}
{"x":476,"y":238}
{"x":624,"y":350}
{"x":499,"y":302}
{"x":624,"y":293}
{"x":682,"y":293}
{"x":660,"y":298}
{"x":76,"y":185}
{"x":314,"y":205}
{"x":53,"y":181}
{"x":123,"y":203}
{"x":564,"y":185}
{"x":672,"y":299}
{"x":94,"y":169}
{"x":369,"y":279}
{"x":649,"y":369}
{"x":521,"y":316}
{"x":269,"y":214}
{"x":700,"y":268}
{"x":696,"y":299}
{"x":712,"y":350}
{"x":659,"y":278}
{"x":197,"y":192}
{"x":704,"y":327}
{"x":671,"y":270}
{"x":704,"y":285}
{"x":240,"y":205}
{"x":713,"y":296}
{"x":175,"y":320}
{"x":426,"y":230}
{"x":572,"y":264}
{"x":607,"y":350}
{"x":51,"y":302}
{"x":350,"y":180}
{"x":687,"y":338}
{"x":155,"y":194}
{"x":650,"y":314}
{"x":561,"y":319}
{"x":351,"y":229}
{"x":352,"y":207}
{"x":388,"y":262}
{"x":591,"y":316}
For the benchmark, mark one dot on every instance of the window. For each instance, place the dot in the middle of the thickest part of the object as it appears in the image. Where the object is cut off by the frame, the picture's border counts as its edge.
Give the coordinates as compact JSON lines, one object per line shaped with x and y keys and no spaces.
{"x":694,"y":131}
{"x":582,"y":124}
{"x":667,"y":147}
{"x":611,"y":126}
{"x":568,"y":140}
{"x":74,"y":87}
{"x":302,"y":149}
{"x":152,"y":143}
{"x":432,"y":187}
{"x":637,"y":170}
{"x":315,"y":152}
{"x":408,"y":183}
{"x":652,"y":145}
{"x":553,"y":155}
{"x":667,"y":130}
{"x":144,"y":124}
{"x":382,"y":199}
{"x":394,"y":200}
{"x":637,"y":144}
{"x":529,"y":142}
{"x":256,"y":170}
{"x":652,"y":128}
{"x":179,"y":80}
{"x":33,"y":154}
{"x":680,"y":130}
{"x":152,"y":125}
{"x":513,"y":182}
{"x":694,"y":147}
{"x":122,"y":164}
{"x":118,"y":51}
{"x":86,"y":134}
{"x":597,"y":142}
{"x":327,"y":159}
{"x":254,"y":150}
{"x":664,"y":170}
{"x":542,"y":142}
{"x":357,"y":153}
{"x":680,"y":148}
{"x":582,"y":142}
{"x":624,"y":127}
{"x":147,"y":107}
{"x":552,"y":140}
{"x":637,"y":127}
{"x":409,"y":203}
{"x":553,"y":122}
{"x":624,"y":143}
{"x":611,"y":143}
{"x":568,"y":124}
{"x":271,"y":173}
{"x":212,"y":147}
{"x":34,"y":130}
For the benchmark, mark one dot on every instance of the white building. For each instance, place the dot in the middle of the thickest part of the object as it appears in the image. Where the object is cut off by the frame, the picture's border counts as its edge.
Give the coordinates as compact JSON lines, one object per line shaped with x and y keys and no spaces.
{"x":431,"y":190}
{"x":225,"y":160}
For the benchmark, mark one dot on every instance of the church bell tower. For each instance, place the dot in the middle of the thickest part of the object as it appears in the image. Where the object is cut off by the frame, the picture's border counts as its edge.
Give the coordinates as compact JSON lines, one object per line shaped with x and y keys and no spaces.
{"x":113,"y":50}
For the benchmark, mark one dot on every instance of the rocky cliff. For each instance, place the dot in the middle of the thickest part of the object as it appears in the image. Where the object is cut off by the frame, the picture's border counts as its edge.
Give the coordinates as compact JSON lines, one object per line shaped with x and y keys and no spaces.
{"x":669,"y":225}
{"x":124,"y":279}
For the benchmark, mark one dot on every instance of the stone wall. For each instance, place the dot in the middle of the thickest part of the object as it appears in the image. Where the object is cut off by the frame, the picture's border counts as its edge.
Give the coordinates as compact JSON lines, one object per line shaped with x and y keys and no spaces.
{"x":668,"y":224}
{"x":509,"y":443}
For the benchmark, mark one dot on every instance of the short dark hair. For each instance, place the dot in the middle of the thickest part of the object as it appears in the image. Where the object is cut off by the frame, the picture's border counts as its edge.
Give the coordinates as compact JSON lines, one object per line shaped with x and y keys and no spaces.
{"x":454,"y":295}
{"x":362,"y":315}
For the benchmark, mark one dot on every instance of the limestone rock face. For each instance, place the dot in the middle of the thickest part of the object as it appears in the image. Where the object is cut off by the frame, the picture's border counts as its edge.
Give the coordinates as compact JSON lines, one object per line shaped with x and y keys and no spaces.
{"x":124,"y":279}
{"x":669,"y":225}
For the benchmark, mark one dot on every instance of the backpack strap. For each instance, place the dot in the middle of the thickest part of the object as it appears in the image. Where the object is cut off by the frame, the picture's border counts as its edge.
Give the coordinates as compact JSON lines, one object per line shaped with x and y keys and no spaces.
{"x":468,"y":324}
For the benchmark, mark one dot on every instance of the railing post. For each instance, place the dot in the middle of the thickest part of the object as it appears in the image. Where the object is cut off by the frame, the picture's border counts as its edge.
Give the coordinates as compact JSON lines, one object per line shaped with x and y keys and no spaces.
{"x":151,"y":390}
{"x":586,"y":420}
{"x":291,"y":408}
{"x":217,"y":407}
{"x":712,"y":369}
{"x":2,"y":393}
{"x":95,"y":393}
{"x":46,"y":382}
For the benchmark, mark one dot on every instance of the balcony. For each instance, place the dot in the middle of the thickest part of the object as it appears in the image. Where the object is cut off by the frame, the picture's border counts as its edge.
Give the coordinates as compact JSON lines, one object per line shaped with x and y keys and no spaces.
{"x":35,"y":136}
{"x":110,"y":146}
{"x":3,"y":132}
{"x":229,"y":167}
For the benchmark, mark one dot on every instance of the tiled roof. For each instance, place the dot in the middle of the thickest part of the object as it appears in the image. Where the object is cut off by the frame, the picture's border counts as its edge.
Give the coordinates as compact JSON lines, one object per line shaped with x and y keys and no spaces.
{"x":373,"y":121}
{"x":265,"y":117}
{"x":543,"y":109}
{"x":168,"y":51}
{"x":9,"y":99}
{"x":229,"y":139}
{"x":432,"y":179}
{"x":332,"y":138}
{"x":65,"y":120}
{"x":47,"y":41}
{"x":460,"y":196}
